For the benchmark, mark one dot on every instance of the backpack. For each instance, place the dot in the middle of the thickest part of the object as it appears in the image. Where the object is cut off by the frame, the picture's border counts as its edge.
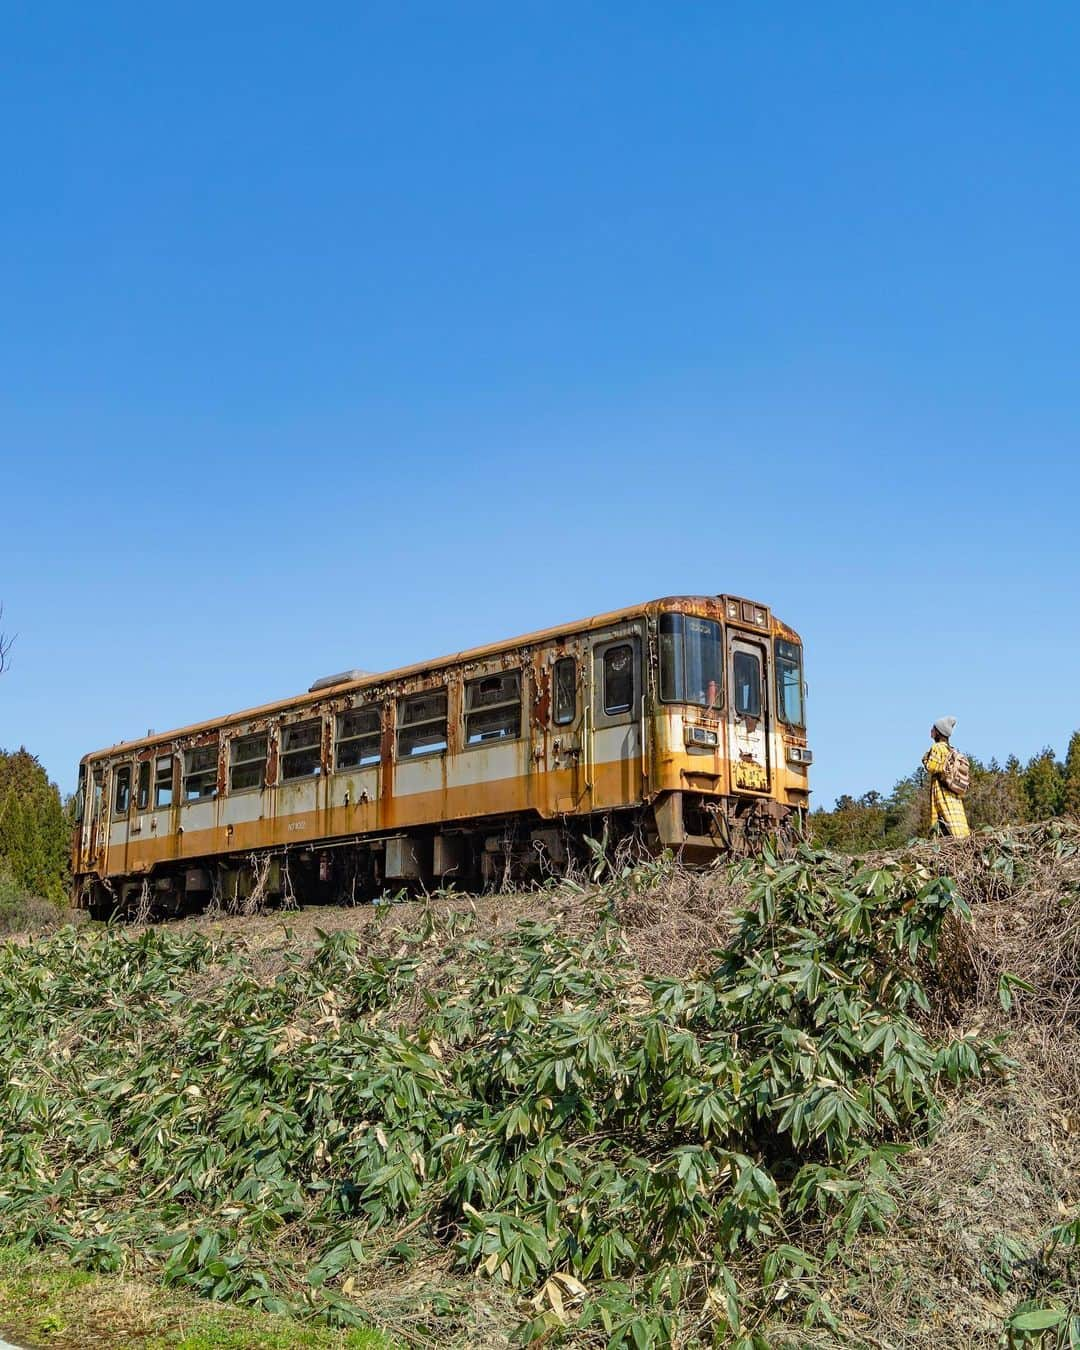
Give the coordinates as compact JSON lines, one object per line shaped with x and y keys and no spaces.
{"x":956,"y":775}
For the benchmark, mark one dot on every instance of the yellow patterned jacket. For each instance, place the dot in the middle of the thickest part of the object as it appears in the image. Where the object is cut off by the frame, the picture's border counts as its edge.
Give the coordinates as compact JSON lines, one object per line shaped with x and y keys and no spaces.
{"x":945,"y":806}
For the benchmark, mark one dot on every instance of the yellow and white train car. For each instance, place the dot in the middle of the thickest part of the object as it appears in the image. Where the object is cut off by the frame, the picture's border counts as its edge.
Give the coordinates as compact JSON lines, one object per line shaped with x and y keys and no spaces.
{"x":681,"y":719}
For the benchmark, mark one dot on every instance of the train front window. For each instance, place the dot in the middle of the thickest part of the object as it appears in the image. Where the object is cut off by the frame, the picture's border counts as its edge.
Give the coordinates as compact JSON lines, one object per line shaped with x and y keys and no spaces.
{"x":789,"y":683}
{"x":747,"y":671}
{"x":691,"y":660}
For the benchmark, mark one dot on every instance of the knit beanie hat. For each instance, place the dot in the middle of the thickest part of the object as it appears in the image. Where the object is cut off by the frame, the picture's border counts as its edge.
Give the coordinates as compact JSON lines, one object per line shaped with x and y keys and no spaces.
{"x":946,"y":726}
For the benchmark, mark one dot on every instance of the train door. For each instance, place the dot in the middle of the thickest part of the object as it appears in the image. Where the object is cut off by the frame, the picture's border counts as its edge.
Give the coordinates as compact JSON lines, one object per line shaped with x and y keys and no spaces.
{"x":119,"y":807}
{"x":567,"y":749}
{"x":748,"y":742}
{"x":94,"y":821}
{"x":139,"y":822}
{"x":614,"y":736}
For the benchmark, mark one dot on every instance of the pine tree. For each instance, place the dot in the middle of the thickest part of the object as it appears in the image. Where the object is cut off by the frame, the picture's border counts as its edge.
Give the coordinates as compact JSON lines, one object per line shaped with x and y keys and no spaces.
{"x":10,"y":839}
{"x":1044,"y":786}
{"x":35,"y":877}
{"x":34,"y":828}
{"x":1072,"y":776}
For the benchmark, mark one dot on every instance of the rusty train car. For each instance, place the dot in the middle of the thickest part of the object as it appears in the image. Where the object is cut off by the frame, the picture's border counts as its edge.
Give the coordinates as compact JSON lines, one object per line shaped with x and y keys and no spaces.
{"x":681,"y":719}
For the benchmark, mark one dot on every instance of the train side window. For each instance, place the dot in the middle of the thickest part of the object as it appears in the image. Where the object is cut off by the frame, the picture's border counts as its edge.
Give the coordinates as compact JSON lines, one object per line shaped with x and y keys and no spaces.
{"x":163,"y":781}
{"x":565,"y":691}
{"x":618,"y":679}
{"x":122,"y":793}
{"x":142,"y":795}
{"x":247,"y":762}
{"x":200,"y":773}
{"x":747,"y":669}
{"x":359,"y":738}
{"x":493,"y":708}
{"x":301,"y":750}
{"x":789,"y":683}
{"x":422,"y":724}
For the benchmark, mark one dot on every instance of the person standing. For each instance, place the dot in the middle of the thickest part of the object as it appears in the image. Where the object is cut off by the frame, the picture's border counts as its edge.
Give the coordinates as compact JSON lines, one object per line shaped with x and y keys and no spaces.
{"x":949,"y":771}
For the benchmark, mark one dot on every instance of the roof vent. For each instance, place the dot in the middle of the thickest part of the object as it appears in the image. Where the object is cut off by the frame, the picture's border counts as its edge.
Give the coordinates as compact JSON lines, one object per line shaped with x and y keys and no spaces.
{"x":346,"y":677}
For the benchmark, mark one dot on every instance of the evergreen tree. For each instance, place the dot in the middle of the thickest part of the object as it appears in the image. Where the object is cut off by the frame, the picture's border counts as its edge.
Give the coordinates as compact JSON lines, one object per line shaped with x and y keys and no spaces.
{"x":1072,"y":776}
{"x":35,"y":866}
{"x":10,"y":837}
{"x":995,"y":796}
{"x":1044,"y":786}
{"x":34,"y":827}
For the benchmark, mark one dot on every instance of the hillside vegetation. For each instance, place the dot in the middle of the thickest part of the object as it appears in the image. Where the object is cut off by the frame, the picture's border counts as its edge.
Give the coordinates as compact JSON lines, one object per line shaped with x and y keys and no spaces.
{"x":809,"y":1101}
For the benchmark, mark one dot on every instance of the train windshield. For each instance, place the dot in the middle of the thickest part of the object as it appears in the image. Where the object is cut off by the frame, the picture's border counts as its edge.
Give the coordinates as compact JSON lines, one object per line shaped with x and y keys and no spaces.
{"x":691,"y":660}
{"x":789,"y":683}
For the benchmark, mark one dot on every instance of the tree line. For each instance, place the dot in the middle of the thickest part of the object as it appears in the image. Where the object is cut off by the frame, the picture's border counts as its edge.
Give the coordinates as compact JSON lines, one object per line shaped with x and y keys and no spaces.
{"x":1009,"y":794}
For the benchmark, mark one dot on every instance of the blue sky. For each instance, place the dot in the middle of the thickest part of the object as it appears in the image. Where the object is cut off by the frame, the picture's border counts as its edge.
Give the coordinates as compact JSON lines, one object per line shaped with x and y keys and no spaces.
{"x":353,"y":334}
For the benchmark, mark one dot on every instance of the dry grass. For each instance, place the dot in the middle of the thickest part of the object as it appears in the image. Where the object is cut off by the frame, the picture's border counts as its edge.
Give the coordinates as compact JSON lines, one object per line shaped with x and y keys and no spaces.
{"x":670,"y":925}
{"x":30,"y":916}
{"x":1023,"y":886}
{"x":996,"y":1177}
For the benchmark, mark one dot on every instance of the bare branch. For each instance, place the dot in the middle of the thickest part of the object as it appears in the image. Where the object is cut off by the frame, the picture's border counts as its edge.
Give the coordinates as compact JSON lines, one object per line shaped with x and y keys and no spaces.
{"x":6,"y":643}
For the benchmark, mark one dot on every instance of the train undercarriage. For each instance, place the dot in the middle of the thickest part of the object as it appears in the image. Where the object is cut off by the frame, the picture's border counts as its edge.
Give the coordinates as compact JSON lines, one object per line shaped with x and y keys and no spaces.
{"x":492,"y":854}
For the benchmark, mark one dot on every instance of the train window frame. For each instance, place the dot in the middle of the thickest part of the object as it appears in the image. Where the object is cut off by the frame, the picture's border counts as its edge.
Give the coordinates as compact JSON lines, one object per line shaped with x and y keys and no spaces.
{"x":369,"y":760}
{"x":207,"y":772}
{"x":121,"y":775}
{"x":618,"y":709}
{"x":164,"y":782}
{"x":476,"y":712}
{"x":675,"y":672}
{"x":564,"y":715}
{"x":142,"y":788}
{"x":301,"y":753}
{"x":780,"y":658}
{"x":406,"y":726}
{"x":246,"y":739}
{"x":759,"y":684}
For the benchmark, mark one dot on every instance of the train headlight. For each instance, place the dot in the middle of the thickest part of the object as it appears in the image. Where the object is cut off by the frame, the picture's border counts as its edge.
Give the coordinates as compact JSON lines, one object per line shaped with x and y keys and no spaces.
{"x":702,"y":736}
{"x":798,"y":755}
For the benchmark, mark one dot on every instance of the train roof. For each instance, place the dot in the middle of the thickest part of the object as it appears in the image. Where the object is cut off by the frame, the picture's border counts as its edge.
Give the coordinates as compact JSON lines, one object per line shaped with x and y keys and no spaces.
{"x":541,"y":635}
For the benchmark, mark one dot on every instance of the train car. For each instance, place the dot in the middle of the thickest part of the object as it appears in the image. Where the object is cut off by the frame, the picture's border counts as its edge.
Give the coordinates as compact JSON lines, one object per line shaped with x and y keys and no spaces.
{"x":680,"y":721}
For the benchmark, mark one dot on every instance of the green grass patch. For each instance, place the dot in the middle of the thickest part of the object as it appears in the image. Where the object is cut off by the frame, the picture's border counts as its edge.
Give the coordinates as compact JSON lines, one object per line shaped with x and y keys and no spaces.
{"x":48,"y":1303}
